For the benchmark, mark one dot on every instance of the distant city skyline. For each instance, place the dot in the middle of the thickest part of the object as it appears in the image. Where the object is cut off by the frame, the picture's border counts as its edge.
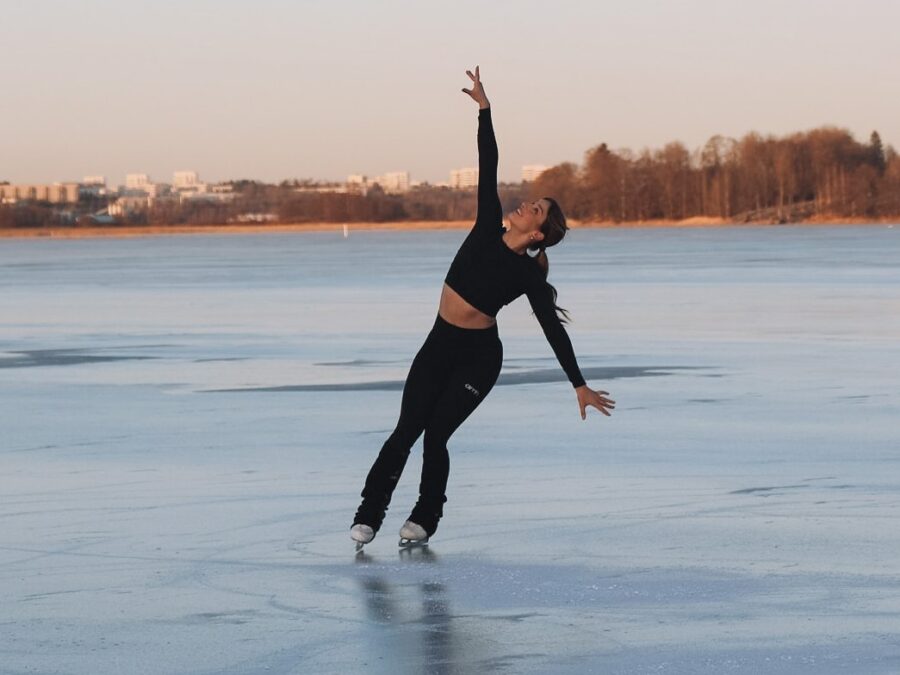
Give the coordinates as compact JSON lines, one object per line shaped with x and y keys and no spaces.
{"x":276,"y":91}
{"x":140,"y":190}
{"x":393,"y":181}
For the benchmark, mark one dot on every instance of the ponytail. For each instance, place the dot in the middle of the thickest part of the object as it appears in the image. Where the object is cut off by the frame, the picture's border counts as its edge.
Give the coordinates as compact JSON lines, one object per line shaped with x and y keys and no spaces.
{"x":553,"y":229}
{"x":543,"y":263}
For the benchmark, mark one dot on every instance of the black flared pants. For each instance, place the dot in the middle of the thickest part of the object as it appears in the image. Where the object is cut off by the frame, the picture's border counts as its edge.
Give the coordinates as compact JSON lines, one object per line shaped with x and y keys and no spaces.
{"x":451,"y":374}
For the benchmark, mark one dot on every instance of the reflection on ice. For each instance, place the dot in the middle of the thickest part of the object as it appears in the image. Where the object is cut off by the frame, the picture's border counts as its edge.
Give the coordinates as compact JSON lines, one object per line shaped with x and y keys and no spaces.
{"x":413,"y":629}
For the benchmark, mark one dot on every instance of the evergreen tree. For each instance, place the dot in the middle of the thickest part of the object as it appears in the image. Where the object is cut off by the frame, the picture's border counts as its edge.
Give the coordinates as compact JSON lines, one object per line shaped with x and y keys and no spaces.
{"x":876,"y":151}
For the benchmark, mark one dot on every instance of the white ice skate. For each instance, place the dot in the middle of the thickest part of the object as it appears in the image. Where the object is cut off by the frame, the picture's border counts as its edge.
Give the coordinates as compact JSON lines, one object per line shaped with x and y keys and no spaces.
{"x":362,"y":535}
{"x":412,"y":534}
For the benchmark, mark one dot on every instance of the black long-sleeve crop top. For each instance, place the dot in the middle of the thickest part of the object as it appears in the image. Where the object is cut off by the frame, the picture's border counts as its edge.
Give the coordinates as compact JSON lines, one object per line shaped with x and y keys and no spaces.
{"x":488,"y":274}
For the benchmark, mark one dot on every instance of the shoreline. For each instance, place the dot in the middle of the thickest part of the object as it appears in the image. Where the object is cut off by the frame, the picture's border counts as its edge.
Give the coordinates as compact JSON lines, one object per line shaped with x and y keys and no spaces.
{"x":126,"y":231}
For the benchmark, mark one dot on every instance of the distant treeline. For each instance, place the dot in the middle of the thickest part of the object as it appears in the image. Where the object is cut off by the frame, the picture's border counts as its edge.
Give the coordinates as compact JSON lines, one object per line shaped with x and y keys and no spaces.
{"x":823,"y":172}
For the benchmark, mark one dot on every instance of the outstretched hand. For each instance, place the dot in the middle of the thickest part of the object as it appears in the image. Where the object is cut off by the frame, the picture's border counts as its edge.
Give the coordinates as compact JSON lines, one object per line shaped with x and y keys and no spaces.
{"x":587,"y":396}
{"x":477,"y":91}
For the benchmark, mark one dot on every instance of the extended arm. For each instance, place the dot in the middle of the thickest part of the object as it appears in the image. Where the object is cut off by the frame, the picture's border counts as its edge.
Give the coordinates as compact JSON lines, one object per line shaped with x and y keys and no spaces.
{"x":490,"y":213}
{"x":541,"y":301}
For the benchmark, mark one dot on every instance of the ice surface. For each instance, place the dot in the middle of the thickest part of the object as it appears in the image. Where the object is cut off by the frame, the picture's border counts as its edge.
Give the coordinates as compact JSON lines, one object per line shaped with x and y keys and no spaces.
{"x":187,"y":423}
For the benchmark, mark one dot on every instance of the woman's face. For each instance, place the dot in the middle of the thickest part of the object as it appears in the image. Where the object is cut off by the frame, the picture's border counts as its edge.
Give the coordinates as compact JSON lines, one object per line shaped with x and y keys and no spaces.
{"x":529,"y":216}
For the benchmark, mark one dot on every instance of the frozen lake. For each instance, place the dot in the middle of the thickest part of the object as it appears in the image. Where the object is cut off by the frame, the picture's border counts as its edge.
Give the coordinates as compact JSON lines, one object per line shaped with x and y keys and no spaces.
{"x":188,"y":421}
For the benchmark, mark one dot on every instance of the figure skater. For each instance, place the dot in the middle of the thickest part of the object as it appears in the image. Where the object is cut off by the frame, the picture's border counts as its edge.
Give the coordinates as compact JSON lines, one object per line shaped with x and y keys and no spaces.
{"x":459,"y":362}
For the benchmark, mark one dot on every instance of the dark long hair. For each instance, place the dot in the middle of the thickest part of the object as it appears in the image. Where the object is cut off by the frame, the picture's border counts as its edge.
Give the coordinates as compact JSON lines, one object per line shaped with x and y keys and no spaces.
{"x":553,"y":229}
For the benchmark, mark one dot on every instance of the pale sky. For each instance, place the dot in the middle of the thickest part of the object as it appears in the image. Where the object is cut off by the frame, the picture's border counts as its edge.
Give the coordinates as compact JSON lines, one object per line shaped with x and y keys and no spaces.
{"x":275,"y":89}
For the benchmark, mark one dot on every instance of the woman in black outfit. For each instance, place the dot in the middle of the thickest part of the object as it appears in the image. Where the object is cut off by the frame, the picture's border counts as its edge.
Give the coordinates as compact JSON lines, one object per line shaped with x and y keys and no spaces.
{"x":460,"y":360}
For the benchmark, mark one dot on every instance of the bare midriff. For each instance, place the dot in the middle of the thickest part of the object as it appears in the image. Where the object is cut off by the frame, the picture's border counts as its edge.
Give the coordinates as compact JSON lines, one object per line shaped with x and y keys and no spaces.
{"x":454,"y":309}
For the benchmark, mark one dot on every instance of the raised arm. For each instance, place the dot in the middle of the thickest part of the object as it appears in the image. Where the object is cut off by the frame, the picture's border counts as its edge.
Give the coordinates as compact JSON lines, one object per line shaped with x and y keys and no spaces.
{"x":490,"y":213}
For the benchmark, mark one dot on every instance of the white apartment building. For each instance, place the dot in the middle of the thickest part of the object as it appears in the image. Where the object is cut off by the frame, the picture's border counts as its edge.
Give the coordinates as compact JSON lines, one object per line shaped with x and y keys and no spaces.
{"x":531,"y":171}
{"x":210,"y":193}
{"x":139,"y":185}
{"x":136,"y":181}
{"x":126,"y":204}
{"x":56,"y":193}
{"x":95,"y":186}
{"x":357,"y":184}
{"x":394,"y":181}
{"x":464,"y":178}
{"x":185,"y":180}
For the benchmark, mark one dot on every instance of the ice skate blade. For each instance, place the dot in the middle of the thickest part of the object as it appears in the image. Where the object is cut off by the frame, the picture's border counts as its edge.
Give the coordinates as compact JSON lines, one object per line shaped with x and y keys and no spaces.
{"x":412,"y":543}
{"x":359,"y":546}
